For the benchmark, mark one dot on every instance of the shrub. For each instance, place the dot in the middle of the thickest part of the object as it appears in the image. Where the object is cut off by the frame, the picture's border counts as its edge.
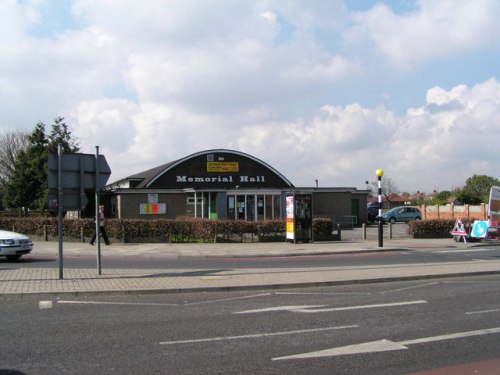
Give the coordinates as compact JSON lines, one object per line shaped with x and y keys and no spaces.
{"x":438,"y":226}
{"x":183,"y":229}
{"x":270,"y":227}
{"x":322,"y":226}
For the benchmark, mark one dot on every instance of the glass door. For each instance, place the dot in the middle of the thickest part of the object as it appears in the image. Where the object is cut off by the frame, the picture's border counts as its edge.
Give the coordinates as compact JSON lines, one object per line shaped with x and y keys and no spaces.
{"x":241,"y":207}
{"x":250,"y":207}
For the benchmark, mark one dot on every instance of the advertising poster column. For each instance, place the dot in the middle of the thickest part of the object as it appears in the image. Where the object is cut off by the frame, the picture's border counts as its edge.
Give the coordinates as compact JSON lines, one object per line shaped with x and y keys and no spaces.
{"x":290,"y":227}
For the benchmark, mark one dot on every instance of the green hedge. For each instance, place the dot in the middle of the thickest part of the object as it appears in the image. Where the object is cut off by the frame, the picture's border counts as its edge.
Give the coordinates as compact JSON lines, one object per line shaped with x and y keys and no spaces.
{"x":183,"y":229}
{"x":430,"y":228}
{"x":188,"y":229}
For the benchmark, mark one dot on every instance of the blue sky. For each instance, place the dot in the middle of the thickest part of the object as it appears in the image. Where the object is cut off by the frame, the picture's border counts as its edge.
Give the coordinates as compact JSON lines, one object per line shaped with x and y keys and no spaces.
{"x":327,"y":90}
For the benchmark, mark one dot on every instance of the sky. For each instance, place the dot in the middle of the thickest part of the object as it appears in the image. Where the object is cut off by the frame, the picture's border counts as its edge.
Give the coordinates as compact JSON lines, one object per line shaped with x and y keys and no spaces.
{"x":325,"y":90}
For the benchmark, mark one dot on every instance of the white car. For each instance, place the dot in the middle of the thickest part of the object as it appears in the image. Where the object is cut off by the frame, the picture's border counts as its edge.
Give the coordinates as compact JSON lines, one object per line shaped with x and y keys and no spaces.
{"x":13,"y":245}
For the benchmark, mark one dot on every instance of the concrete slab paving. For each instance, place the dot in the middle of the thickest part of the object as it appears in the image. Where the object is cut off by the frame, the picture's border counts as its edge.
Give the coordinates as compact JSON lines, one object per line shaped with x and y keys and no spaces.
{"x":16,"y":281}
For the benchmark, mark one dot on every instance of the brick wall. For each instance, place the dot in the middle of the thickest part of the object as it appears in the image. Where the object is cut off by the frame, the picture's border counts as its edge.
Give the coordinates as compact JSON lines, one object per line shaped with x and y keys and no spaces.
{"x":451,"y":212}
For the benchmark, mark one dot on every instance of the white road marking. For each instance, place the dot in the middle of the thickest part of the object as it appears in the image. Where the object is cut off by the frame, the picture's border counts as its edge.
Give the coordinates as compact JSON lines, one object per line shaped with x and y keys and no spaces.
{"x":45,"y":304}
{"x":482,"y":312}
{"x":278,"y":308}
{"x":476,"y":250}
{"x":256,"y":335}
{"x":317,"y":309}
{"x":451,"y":336}
{"x":360,"y":307}
{"x":116,"y":303}
{"x":386,"y":345}
{"x":366,"y":347}
{"x":407,"y":288}
{"x":159,"y":304}
{"x":322,"y":294}
{"x":228,"y":299}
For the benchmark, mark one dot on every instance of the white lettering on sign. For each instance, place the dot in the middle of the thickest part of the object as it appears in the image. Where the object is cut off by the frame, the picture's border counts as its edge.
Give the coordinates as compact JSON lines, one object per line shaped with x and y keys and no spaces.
{"x":218,"y":179}
{"x":252,"y":179}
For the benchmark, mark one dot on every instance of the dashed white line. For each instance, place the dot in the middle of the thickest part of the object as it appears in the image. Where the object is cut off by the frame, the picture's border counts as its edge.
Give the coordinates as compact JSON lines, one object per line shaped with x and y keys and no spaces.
{"x":482,"y":312}
{"x":256,"y":335}
{"x":278,"y":308}
{"x":476,"y":250}
{"x":321,"y":308}
{"x":322,"y":294}
{"x":228,"y":299}
{"x":116,"y":303}
{"x":45,"y":305}
{"x":360,"y":307}
{"x":407,"y":288}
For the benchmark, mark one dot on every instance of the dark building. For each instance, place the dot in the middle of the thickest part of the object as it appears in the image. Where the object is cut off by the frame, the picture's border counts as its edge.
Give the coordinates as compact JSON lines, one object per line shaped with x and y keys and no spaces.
{"x":222,"y":184}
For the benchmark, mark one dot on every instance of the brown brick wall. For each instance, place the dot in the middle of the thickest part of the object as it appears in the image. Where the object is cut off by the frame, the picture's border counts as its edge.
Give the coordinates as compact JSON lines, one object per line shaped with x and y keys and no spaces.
{"x":451,"y":212}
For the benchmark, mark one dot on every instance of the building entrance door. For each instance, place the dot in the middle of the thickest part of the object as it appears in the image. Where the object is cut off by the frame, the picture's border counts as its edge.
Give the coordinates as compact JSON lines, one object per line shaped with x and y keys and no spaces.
{"x":240,"y":207}
{"x":250,"y":207}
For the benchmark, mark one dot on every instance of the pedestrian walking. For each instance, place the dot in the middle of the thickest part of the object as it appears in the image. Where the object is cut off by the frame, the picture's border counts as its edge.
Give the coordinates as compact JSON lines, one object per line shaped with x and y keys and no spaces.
{"x":102,"y":228}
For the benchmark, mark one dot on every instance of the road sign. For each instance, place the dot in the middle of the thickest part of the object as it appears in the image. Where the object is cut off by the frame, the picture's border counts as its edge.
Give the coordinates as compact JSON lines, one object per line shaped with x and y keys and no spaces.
{"x":480,"y":229}
{"x":79,"y":174}
{"x":71,"y":200}
{"x":73,"y":166}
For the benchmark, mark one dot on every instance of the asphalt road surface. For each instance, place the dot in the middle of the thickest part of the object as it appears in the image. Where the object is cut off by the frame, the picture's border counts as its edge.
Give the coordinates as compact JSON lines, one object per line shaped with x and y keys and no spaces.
{"x":477,"y":253}
{"x":377,"y":329}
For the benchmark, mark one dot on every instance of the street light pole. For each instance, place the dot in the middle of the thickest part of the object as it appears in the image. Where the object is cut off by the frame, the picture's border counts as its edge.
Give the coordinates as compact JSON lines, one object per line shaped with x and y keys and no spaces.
{"x":379,"y":173}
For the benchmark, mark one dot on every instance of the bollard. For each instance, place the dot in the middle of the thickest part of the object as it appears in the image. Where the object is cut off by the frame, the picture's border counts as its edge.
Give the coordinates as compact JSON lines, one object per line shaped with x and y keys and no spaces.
{"x":364,"y":230}
{"x":390,"y":230}
{"x":339,"y":231}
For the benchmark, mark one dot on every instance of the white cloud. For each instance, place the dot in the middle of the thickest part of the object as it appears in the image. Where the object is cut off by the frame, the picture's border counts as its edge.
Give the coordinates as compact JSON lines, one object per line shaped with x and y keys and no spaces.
{"x":151,"y":82}
{"x":451,"y":144}
{"x":436,"y":30}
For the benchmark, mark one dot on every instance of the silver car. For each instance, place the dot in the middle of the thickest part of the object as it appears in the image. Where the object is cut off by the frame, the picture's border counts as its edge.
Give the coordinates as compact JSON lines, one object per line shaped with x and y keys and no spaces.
{"x":14,"y":245}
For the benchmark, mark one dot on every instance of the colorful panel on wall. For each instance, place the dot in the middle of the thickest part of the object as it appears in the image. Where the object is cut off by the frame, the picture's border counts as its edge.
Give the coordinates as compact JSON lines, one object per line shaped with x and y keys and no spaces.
{"x":152,"y":208}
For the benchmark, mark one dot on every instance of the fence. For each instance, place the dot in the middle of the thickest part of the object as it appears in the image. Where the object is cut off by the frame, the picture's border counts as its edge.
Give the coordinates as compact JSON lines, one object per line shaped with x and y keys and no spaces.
{"x":452,"y":212}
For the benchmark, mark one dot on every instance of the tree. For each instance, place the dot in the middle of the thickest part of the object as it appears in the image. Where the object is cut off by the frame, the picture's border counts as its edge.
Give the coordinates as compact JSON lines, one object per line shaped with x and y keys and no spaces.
{"x":441,"y":198}
{"x":12,"y":142}
{"x":477,"y":189}
{"x":27,"y":186}
{"x":389,"y":188}
{"x":61,"y":135}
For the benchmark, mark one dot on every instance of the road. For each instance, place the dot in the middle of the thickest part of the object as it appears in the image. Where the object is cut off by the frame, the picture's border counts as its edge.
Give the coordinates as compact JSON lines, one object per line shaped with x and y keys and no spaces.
{"x":378,"y":329}
{"x":479,"y":252}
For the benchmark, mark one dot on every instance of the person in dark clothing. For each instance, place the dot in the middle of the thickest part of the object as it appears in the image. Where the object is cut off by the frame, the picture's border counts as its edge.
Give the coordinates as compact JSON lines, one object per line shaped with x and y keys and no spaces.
{"x":102,"y":228}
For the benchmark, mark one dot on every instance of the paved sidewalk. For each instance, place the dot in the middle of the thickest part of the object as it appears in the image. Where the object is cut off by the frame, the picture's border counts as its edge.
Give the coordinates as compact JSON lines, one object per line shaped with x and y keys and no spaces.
{"x":24,"y":282}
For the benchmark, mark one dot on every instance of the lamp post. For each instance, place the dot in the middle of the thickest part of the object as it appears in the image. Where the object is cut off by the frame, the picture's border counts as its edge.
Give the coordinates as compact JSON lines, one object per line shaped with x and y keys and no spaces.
{"x":379,"y":173}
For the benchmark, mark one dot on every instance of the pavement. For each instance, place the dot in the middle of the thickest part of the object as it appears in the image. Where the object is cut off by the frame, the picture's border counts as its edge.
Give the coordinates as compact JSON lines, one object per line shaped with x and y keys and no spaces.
{"x":18,"y":281}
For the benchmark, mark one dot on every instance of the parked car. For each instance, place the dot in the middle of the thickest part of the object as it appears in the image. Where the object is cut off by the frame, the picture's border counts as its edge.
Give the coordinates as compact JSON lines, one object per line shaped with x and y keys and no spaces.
{"x":372,"y":213}
{"x":14,"y":245}
{"x":401,"y":213}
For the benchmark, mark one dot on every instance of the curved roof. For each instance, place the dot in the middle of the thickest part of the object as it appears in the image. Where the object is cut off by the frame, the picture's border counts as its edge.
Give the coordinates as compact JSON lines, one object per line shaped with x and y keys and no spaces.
{"x":154,"y":177}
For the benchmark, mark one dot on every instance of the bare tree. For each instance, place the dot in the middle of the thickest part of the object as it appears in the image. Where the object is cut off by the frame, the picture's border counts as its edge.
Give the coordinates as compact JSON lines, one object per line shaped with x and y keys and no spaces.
{"x":389,"y":188}
{"x":11,"y":143}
